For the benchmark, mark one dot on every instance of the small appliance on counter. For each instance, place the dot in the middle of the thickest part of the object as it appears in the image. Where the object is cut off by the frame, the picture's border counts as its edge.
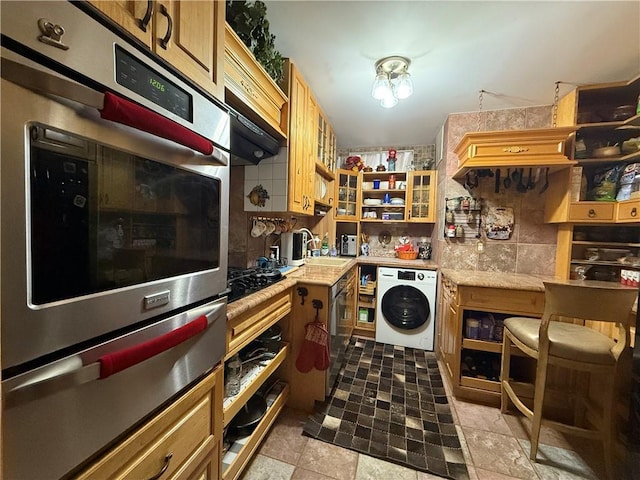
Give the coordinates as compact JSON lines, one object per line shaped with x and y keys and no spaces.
{"x":348,"y":245}
{"x":294,"y":247}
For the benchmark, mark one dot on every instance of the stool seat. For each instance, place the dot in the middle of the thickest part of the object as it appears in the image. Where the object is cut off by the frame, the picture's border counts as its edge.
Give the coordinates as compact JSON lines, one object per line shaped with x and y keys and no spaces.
{"x":566,"y":340}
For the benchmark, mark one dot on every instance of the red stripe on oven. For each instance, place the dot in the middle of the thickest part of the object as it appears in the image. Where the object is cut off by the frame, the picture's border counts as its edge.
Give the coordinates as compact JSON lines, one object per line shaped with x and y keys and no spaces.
{"x":123,"y":111}
{"x":123,"y":359}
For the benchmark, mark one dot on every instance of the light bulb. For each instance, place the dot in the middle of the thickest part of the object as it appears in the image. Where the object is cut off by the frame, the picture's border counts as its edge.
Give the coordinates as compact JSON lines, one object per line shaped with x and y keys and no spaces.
{"x":381,"y":86}
{"x":404,"y":86}
{"x":389,"y":101}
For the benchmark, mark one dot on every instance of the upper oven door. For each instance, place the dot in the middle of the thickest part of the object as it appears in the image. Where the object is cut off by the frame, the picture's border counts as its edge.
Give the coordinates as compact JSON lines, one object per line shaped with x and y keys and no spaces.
{"x":103,"y":226}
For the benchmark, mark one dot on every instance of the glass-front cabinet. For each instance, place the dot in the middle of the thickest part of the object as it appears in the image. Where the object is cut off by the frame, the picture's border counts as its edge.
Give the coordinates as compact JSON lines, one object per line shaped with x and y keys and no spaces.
{"x":422,"y":197}
{"x":347,"y":186}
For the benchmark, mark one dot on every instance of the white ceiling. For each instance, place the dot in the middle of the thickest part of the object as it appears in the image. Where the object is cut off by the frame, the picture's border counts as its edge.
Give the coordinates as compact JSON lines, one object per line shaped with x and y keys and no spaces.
{"x":515,"y":50}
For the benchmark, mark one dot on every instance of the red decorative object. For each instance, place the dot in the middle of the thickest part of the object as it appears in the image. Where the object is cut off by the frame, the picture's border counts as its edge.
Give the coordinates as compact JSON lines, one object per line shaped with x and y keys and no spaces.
{"x":117,"y":361}
{"x":128,"y":113}
{"x":354,"y":162}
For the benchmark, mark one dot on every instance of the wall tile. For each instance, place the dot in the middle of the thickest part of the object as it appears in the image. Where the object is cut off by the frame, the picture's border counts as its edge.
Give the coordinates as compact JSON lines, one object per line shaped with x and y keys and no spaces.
{"x":531,"y":239}
{"x":512,"y":119}
{"x":536,"y":259}
{"x":498,"y":256}
{"x":538,"y":117}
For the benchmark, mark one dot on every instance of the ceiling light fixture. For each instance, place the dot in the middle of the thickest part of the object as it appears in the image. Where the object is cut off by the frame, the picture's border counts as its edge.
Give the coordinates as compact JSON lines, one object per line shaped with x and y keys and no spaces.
{"x":393,"y":81}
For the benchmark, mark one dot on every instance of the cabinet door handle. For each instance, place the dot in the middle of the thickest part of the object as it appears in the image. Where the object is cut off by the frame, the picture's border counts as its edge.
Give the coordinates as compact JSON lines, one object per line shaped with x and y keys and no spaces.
{"x":634,"y":212}
{"x":144,"y":21}
{"x":592,"y":213}
{"x":165,"y":40}
{"x":165,"y":465}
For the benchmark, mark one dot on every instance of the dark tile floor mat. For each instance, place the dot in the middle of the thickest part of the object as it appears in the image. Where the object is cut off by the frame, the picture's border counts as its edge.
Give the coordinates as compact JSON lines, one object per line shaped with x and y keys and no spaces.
{"x":389,"y":402}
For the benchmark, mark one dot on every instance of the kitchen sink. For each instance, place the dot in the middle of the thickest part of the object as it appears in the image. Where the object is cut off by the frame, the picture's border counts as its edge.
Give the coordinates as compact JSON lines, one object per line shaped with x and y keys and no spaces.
{"x":327,"y":261}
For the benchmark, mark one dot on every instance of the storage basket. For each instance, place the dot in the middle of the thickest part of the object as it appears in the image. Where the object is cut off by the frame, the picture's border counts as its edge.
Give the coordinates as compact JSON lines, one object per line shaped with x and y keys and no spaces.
{"x":368,"y":289}
{"x":408,"y":255}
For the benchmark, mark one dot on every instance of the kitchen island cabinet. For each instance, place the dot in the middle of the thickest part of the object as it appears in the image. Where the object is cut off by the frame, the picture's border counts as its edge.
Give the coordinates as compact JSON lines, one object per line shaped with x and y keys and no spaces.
{"x":189,"y":35}
{"x":472,"y":361}
{"x":182,"y":441}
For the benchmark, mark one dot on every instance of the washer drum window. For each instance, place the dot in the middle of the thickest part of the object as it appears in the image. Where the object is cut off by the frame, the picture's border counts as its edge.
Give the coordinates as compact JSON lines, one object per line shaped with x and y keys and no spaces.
{"x":405,"y":307}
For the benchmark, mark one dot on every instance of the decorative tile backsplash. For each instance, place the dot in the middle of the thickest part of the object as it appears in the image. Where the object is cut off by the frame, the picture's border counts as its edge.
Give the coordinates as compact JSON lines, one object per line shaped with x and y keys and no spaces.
{"x":531,"y":247}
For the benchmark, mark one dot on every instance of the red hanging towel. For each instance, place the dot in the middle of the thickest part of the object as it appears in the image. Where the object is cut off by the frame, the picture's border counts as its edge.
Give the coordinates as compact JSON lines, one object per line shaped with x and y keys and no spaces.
{"x":315,"y":348}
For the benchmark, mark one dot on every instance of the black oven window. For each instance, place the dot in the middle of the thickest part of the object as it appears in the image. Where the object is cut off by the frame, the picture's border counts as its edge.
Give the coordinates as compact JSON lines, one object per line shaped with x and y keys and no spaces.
{"x":104,"y":219}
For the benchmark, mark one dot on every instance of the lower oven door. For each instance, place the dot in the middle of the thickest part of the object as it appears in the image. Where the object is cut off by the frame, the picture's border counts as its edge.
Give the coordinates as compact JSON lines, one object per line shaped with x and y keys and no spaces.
{"x":59,"y":416}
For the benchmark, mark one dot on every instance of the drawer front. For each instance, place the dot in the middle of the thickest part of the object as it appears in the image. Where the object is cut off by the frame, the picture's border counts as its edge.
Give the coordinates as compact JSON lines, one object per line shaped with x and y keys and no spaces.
{"x":628,"y":211}
{"x":244,"y":328}
{"x":178,"y":443}
{"x":529,"y":149}
{"x":183,"y":433}
{"x":592,"y":212}
{"x":503,"y":300}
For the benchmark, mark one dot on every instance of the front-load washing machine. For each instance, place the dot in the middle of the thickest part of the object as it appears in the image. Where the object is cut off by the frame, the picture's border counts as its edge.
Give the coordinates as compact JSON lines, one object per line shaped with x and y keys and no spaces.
{"x":406,"y":307}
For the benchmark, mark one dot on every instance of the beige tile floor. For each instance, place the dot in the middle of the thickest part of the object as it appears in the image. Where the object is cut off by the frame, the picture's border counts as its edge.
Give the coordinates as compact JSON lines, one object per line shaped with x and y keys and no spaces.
{"x":495,"y":448}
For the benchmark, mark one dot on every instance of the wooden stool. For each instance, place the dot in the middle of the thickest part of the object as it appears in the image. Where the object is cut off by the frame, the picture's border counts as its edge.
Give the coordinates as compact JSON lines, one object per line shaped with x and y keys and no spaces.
{"x":572,"y":346}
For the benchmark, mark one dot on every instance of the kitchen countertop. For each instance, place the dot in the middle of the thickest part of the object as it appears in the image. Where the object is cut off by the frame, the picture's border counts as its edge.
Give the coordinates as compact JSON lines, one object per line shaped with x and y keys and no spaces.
{"x":318,"y":275}
{"x":328,"y":275}
{"x":514,"y":281}
{"x":510,"y":281}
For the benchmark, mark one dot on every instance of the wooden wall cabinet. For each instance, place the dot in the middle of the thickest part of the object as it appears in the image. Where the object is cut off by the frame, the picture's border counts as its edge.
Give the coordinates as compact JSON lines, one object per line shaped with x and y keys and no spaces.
{"x":347,"y":193}
{"x":595,"y":113}
{"x":185,"y":437}
{"x":421,"y":199}
{"x":187,"y":34}
{"x":248,"y":86}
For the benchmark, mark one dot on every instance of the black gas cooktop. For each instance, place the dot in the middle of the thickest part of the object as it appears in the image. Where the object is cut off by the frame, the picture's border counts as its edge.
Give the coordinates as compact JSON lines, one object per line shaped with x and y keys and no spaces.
{"x":245,"y":281}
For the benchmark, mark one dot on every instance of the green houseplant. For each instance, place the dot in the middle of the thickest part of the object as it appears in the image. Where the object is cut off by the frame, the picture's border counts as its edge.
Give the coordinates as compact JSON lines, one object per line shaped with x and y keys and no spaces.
{"x":249,"y":21}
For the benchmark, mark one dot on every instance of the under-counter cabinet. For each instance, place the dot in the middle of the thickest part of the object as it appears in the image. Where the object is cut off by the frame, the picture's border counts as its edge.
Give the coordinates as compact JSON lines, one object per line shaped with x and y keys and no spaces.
{"x":470,"y":353}
{"x":313,"y":386}
{"x":242,"y":330}
{"x":189,"y":35}
{"x":181,"y":442}
{"x":365,"y":323}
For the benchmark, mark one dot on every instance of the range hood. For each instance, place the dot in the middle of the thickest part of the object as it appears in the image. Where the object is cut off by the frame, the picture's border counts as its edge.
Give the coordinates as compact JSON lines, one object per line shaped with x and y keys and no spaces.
{"x":249,"y":143}
{"x":535,"y":148}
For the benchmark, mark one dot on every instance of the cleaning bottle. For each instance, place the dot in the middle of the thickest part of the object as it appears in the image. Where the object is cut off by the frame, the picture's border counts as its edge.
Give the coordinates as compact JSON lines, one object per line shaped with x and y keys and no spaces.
{"x":324,"y":250}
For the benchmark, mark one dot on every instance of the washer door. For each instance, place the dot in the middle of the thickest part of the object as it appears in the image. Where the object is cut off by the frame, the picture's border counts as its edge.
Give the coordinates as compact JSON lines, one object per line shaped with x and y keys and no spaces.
{"x":405,"y":307}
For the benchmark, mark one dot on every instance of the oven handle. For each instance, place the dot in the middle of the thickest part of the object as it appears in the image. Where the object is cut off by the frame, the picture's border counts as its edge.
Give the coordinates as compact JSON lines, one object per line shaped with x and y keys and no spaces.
{"x":71,"y":372}
{"x":112,"y":107}
{"x":115,"y":362}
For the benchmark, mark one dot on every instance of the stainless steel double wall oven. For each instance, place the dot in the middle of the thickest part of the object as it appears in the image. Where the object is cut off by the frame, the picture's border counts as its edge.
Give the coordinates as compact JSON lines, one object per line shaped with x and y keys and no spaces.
{"x":113,"y":237}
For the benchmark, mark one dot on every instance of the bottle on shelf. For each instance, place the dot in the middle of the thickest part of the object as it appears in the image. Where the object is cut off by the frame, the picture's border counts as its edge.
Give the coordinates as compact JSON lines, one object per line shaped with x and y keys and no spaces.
{"x":324,"y":249}
{"x":333,"y":252}
{"x":233,"y":376}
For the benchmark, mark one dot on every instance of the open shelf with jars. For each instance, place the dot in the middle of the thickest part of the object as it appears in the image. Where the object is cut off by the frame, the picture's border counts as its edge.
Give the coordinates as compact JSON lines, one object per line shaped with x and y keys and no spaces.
{"x":604,"y":252}
{"x":384,"y":197}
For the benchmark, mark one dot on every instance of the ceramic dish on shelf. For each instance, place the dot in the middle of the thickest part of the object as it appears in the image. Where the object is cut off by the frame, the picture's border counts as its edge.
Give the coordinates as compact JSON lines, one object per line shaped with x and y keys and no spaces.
{"x":372,"y":201}
{"x":397,"y":201}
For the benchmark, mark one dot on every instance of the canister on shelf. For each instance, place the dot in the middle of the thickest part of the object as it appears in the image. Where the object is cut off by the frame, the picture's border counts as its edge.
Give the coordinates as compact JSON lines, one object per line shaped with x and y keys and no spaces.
{"x":473,"y":328}
{"x":392,"y":182}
